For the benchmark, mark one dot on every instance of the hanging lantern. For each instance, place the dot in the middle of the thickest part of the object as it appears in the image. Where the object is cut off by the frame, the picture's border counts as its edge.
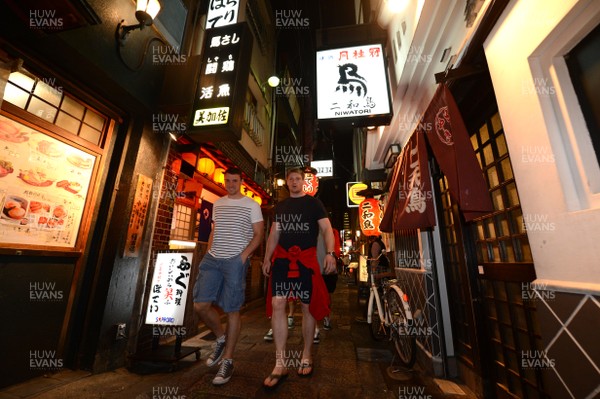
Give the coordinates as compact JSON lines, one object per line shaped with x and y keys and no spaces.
{"x":219,"y":176}
{"x":370,"y":213}
{"x":311,"y":182}
{"x":258,"y":199}
{"x":206,"y":166}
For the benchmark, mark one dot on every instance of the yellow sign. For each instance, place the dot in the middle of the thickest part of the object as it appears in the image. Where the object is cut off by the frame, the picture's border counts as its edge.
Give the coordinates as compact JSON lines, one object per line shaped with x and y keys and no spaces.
{"x":211,"y":116}
{"x":352,"y":198}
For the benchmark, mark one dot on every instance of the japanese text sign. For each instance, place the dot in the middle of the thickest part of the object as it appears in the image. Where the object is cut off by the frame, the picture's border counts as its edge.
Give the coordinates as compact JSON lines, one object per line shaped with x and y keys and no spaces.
{"x":222,"y":13}
{"x":352,"y":83}
{"x":222,"y":83}
{"x":137,"y":220}
{"x":168,"y":293}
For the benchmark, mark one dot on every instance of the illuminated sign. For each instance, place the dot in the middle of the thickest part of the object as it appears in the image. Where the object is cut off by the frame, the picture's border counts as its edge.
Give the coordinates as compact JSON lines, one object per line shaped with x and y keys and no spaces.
{"x":324,"y":168}
{"x":353,"y":200}
{"x":220,"y":95}
{"x":222,"y":13}
{"x":211,"y":116}
{"x":352,"y":84}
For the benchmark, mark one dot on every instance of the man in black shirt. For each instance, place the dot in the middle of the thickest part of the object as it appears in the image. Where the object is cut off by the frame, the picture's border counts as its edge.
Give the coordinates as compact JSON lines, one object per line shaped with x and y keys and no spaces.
{"x":293,"y":269}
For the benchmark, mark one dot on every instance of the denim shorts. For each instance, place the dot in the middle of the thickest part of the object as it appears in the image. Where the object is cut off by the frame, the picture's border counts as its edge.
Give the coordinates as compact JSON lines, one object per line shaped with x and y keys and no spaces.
{"x":222,"y":281}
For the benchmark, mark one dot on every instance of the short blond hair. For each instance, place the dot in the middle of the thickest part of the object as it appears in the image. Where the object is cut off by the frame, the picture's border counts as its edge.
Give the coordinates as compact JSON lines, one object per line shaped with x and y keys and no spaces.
{"x":294,"y":170}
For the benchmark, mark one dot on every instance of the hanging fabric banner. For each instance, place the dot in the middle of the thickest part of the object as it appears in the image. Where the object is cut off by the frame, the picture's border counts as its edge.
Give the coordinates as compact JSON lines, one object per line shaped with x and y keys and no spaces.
{"x":410,"y":204}
{"x":449,"y":141}
{"x":414,"y":209}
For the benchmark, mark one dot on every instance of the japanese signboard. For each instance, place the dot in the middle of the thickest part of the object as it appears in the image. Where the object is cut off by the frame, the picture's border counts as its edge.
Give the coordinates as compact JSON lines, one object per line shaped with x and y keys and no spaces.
{"x":324,"y":168}
{"x":168,"y":293}
{"x":44,"y":184}
{"x":219,"y":101}
{"x":222,"y":13}
{"x":352,"y":84}
{"x":137,"y":220}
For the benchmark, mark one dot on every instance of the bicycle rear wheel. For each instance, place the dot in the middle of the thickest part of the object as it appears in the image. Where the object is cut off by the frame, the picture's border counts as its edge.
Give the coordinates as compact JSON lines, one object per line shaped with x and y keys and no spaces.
{"x":378,"y":329}
{"x":405,"y":342}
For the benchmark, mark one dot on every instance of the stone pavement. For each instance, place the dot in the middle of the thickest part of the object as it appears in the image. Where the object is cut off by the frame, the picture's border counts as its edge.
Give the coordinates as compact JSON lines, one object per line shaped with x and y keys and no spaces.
{"x":347,"y":364}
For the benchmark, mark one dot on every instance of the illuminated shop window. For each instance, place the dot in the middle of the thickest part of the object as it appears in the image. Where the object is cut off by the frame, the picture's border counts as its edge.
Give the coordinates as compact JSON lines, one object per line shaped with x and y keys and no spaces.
{"x":183,"y":223}
{"x":46,"y":99}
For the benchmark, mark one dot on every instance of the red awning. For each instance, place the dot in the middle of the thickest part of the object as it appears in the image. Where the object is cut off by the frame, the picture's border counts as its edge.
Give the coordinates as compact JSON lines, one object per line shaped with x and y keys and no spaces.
{"x":452,"y":149}
{"x":410,"y":202}
{"x":410,"y":205}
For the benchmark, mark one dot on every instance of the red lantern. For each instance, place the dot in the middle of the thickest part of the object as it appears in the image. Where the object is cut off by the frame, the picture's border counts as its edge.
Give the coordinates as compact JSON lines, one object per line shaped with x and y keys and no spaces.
{"x":370,"y":212}
{"x":311,"y":183}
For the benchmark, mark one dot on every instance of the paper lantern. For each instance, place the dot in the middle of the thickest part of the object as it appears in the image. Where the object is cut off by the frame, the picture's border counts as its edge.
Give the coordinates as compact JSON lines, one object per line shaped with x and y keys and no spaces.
{"x":370,"y":212}
{"x":219,"y":176}
{"x":311,"y":184}
{"x":206,"y":166}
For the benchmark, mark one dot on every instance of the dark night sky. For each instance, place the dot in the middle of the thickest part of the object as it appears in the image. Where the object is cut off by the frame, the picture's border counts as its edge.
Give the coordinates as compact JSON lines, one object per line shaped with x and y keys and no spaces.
{"x":298,"y":46}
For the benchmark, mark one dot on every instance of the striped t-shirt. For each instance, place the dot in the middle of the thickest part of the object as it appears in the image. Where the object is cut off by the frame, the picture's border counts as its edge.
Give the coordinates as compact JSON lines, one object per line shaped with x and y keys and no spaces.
{"x":232,"y":228}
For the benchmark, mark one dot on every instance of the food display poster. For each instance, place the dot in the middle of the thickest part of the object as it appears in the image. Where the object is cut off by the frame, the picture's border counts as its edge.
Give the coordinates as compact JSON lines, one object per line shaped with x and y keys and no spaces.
{"x":137,"y":221}
{"x":44,"y":183}
{"x":170,"y":281}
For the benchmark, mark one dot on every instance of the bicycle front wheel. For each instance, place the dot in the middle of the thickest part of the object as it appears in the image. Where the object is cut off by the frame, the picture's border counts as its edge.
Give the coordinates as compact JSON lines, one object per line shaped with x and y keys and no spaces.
{"x":378,"y":329}
{"x":405,"y":342}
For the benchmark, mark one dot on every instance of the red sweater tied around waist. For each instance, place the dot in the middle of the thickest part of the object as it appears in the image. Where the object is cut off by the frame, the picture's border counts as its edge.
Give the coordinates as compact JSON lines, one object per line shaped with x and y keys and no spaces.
{"x":319,"y":299}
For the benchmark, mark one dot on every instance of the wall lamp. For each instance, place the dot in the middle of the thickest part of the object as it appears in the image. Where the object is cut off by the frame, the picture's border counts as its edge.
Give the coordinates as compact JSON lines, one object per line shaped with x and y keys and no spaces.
{"x":392,"y":154}
{"x":145,"y":12}
{"x":273,"y":81}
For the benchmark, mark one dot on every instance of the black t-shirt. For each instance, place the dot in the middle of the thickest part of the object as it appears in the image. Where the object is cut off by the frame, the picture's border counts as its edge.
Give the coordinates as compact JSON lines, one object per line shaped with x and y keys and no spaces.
{"x":297,"y":221}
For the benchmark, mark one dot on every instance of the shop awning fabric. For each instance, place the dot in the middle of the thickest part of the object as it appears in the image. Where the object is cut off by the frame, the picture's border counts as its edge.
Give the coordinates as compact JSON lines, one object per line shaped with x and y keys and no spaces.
{"x":410,"y":191}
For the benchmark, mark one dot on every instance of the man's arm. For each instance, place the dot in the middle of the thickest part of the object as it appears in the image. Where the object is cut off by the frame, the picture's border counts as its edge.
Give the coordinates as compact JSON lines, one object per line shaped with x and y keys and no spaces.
{"x":327,"y":232}
{"x":257,"y":229}
{"x":210,"y":236}
{"x":272,"y":242}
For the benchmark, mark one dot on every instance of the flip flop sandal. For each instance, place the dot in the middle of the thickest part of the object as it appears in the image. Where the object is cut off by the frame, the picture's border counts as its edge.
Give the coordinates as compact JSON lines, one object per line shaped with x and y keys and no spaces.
{"x":279,"y":378}
{"x":304,"y":365}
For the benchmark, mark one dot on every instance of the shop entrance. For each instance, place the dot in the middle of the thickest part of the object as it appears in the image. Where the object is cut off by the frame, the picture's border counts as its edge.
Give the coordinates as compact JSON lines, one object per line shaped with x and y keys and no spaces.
{"x":489,"y":268}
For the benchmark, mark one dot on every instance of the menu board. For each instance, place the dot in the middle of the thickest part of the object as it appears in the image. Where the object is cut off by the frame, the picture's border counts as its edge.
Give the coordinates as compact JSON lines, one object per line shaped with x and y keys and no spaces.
{"x":44,"y":183}
{"x":137,"y":221}
{"x":166,"y":304}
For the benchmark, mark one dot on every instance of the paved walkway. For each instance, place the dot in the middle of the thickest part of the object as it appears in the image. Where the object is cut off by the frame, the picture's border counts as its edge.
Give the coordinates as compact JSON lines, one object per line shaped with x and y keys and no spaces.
{"x":347,"y":364}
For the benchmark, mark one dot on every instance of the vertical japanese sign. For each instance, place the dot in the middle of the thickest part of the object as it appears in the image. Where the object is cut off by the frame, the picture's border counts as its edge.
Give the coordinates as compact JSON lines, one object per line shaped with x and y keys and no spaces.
{"x":219,"y":101}
{"x":222,"y":13}
{"x":166,"y":304}
{"x":137,"y":220}
{"x":352,"y":83}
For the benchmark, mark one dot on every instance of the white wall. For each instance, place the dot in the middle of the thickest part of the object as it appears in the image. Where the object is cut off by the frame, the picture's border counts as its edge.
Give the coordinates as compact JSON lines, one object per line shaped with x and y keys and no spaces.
{"x":548,"y":145}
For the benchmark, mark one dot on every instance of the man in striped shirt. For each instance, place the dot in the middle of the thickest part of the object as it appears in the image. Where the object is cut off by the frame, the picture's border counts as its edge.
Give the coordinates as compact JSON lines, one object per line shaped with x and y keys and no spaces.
{"x":237,"y":231}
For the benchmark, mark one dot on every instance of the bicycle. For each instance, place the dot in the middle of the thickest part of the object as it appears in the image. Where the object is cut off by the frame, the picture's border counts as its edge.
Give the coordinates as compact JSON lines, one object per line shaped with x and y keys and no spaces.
{"x":397,"y":316}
